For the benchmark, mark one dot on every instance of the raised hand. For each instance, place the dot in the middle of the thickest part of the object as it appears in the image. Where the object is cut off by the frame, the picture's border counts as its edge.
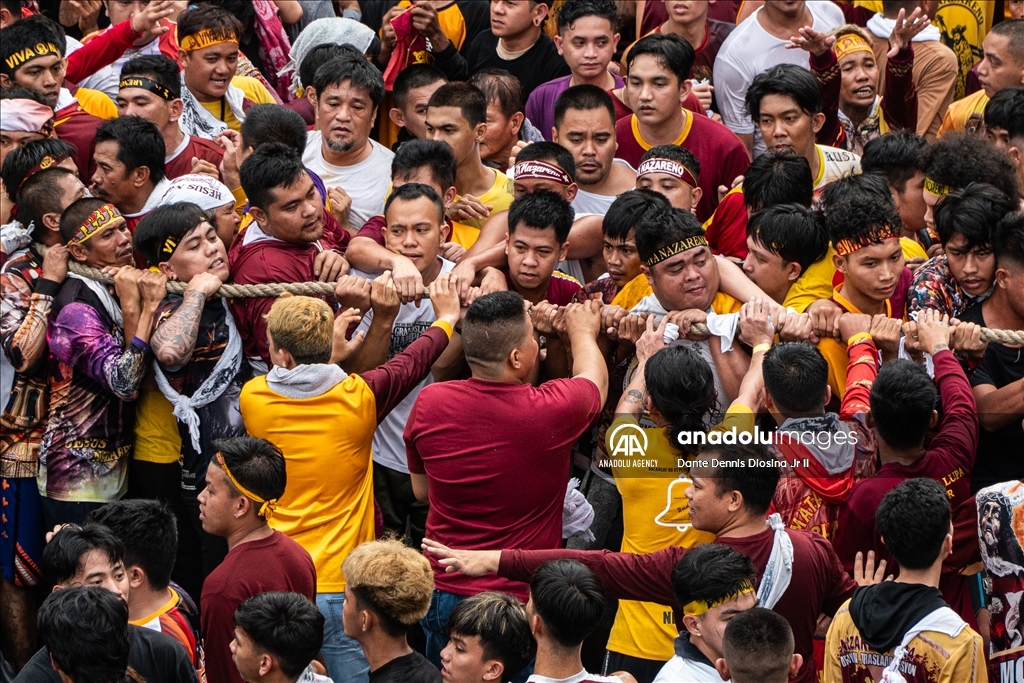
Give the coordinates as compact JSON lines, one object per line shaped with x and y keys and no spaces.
{"x":815,"y":42}
{"x":905,"y":29}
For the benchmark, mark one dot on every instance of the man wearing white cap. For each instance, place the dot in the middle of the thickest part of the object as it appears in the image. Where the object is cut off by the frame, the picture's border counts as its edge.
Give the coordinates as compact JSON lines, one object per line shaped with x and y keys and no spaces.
{"x":210,"y":195}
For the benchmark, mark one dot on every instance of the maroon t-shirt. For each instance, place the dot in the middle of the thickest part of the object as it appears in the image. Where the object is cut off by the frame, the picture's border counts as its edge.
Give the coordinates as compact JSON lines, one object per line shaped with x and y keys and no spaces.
{"x":74,"y":125}
{"x":562,"y":289}
{"x":275,"y":563}
{"x":489,"y":486}
{"x":197,"y":147}
{"x":819,"y":585}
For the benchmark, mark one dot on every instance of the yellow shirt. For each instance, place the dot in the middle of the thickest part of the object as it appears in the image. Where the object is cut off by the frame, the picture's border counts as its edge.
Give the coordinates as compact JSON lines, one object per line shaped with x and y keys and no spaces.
{"x":499,"y":198}
{"x":638,"y":288}
{"x":96,"y":103}
{"x":655,"y":515}
{"x":814,"y":284}
{"x":834,"y":350}
{"x":157,"y":439}
{"x":254,"y":91}
{"x":464,"y":235}
{"x":327,"y":506}
{"x":966,"y":115}
{"x":912,"y":249}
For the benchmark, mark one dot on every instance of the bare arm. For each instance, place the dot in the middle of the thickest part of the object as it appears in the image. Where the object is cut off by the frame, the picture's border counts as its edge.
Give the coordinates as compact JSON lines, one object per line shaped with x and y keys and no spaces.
{"x":583,"y":324}
{"x":174,"y":340}
{"x":420,"y":487}
{"x":289,"y":11}
{"x":999,"y":407}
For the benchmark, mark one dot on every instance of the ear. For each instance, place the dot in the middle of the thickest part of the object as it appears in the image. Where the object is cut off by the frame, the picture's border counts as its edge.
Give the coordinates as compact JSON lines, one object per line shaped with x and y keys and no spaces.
{"x":449,"y":196}
{"x":140,"y":176}
{"x":311,"y":96}
{"x":266,"y":664}
{"x":183,"y":57}
{"x":769,"y":402}
{"x":536,"y":625}
{"x":397,"y":117}
{"x":828,"y":395}
{"x":558,"y":44}
{"x":817,"y":121}
{"x":570,"y":192}
{"x":934,"y":421}
{"x":136,"y":577}
{"x":869,"y":419}
{"x":691,"y":625}
{"x":554,"y":137}
{"x":446,"y":231}
{"x":481,"y":131}
{"x":78,"y":252}
{"x":5,"y":18}
{"x":258,"y":215}
{"x":517,"y":122}
{"x":723,"y":669}
{"x":176,"y":106}
{"x":793,"y":271}
{"x":684,"y":89}
{"x":167,"y":269}
{"x":563,"y":251}
{"x":495,"y":668}
{"x":5,"y":81}
{"x":839,"y":262}
{"x":696,"y":194}
{"x":540,"y":12}
{"x":51,"y":221}
{"x":242,"y":505}
{"x":795,"y":665}
{"x":645,"y":269}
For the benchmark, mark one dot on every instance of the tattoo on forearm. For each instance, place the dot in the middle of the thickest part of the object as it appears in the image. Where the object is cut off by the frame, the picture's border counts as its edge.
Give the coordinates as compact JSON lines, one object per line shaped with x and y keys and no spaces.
{"x":175,"y":340}
{"x":634,"y":396}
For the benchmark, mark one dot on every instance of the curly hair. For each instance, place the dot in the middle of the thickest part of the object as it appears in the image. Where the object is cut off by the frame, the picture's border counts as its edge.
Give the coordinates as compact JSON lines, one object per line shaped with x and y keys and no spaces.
{"x":958,"y":159}
{"x":391,"y":580}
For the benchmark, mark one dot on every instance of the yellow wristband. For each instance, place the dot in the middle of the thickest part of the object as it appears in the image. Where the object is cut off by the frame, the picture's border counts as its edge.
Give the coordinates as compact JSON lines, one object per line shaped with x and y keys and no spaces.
{"x":858,"y":338}
{"x":444,"y":325}
{"x":761,"y":347}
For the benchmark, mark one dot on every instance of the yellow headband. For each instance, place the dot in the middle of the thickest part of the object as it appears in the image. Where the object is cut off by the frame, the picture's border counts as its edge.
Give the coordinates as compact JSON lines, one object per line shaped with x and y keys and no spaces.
{"x":676,"y":248}
{"x":874,"y":236}
{"x":97,"y":222}
{"x":207,"y":38}
{"x":850,"y":43}
{"x":699,"y":607}
{"x":268,"y":506}
{"x":29,"y":53}
{"x":937,"y":189}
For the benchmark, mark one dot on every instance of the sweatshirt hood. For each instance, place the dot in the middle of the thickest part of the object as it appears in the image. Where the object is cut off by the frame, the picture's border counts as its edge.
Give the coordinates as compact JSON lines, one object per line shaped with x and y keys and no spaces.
{"x":885,"y":612}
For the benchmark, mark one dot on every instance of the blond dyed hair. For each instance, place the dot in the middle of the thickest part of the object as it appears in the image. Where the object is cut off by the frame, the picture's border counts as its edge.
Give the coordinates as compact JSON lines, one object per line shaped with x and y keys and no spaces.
{"x":304,"y":327}
{"x":391,"y":580}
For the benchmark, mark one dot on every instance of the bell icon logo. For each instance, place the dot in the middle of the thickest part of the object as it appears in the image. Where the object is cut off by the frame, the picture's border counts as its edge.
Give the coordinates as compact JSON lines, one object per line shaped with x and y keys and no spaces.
{"x":628,"y":441}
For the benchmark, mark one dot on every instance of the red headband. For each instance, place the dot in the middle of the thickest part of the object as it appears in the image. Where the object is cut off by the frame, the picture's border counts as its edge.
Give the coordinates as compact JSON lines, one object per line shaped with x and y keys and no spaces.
{"x":540,"y":170}
{"x":668,"y":167}
{"x":49,"y":161}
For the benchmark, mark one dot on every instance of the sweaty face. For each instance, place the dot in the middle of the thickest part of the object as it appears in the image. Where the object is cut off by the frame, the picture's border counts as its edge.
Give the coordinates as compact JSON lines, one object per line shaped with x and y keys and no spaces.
{"x":511,"y":18}
{"x":588,"y":46}
{"x":590,"y":135}
{"x":873,"y":271}
{"x":43,"y":75}
{"x":414,"y":231}
{"x":415,"y":109}
{"x":767,"y":270}
{"x":449,"y":126}
{"x":784,"y":126}
{"x":622,"y":259}
{"x":345,"y":115}
{"x":111,"y":247}
{"x":687,"y":280}
{"x":999,"y":69}
{"x":652,"y":90}
{"x":500,"y":135}
{"x":296,"y":215}
{"x":141,"y":102}
{"x":678,"y":193}
{"x":11,"y":140}
{"x":532,"y":257}
{"x":859,"y":79}
{"x":910,"y":203}
{"x":96,"y":569}
{"x":974,"y":269}
{"x":111,"y":182}
{"x":200,"y":251}
{"x":208,"y":72}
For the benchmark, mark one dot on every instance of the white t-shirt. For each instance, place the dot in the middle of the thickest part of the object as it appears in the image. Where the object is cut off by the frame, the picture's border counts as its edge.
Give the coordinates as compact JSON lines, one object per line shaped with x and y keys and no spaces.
{"x":388,"y":443}
{"x":592,"y":203}
{"x":834,"y":163}
{"x":748,"y":51}
{"x":679,"y":670}
{"x":366,"y":182}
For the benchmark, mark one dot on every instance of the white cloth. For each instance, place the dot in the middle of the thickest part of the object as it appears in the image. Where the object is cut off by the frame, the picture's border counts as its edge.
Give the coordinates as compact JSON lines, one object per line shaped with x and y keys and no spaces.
{"x":105,"y":80}
{"x":305,"y":381}
{"x":110,"y":304}
{"x":750,"y":50}
{"x":205,"y":192}
{"x":882,"y":27}
{"x":943,"y":620}
{"x":197,"y":120}
{"x":724,"y":326}
{"x":671,"y":333}
{"x":779,"y":570}
{"x":578,"y":678}
{"x":388,"y":440}
{"x":835,"y":164}
{"x":929,"y":364}
{"x":334,"y":30}
{"x":366,"y":182}
{"x":64,"y":99}
{"x":577,"y":513}
{"x":592,"y":203}
{"x":211,"y":389}
{"x":680,"y":670}
{"x":15,"y":237}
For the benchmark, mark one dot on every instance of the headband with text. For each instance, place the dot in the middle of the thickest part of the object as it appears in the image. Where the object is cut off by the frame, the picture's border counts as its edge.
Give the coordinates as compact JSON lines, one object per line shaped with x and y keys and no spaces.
{"x":668,"y":167}
{"x":207,"y":38}
{"x":146,"y":84}
{"x":539,"y":170}
{"x":676,"y":248}
{"x":97,"y":222}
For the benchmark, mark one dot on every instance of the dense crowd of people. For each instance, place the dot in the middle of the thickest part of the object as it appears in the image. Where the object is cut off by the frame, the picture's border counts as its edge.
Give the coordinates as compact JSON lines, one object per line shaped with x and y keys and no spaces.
{"x":380,"y":341}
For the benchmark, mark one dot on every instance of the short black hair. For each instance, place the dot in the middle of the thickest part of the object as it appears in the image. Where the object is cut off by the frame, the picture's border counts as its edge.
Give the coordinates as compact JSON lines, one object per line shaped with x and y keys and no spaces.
{"x":867,"y":187}
{"x":42,"y":194}
{"x":75,"y":214}
{"x":755,"y":483}
{"x":62,"y":556}
{"x":1013,"y":29}
{"x":680,"y":155}
{"x":897,"y":155}
{"x":569,"y":598}
{"x":411,"y":191}
{"x":207,"y":17}
{"x":913,"y":520}
{"x":542,"y":210}
{"x":571,"y":10}
{"x":494,"y":324}
{"x":500,"y":622}
{"x":21,"y":160}
{"x":628,"y":209}
{"x":159,"y":68}
{"x":583,"y":98}
{"x":1008,"y":240}
{"x":903,"y":398}
{"x":317,"y":57}
{"x":658,"y":229}
{"x":168,"y":220}
{"x":787,"y":80}
{"x":710,"y":572}
{"x":549,"y":151}
{"x":671,"y":51}
{"x":266,"y":123}
{"x":778,"y":178}
{"x":271,"y":165}
{"x":682,"y":388}
{"x":432,"y":154}
{"x":857,"y":218}
{"x":958,"y":159}
{"x":502,"y":87}
{"x":20,"y":92}
{"x":793,"y":232}
{"x":256,"y":464}
{"x":468,"y":99}
{"x":148,"y":531}
{"x":796,"y":376}
{"x":355,"y":69}
{"x":85,"y":630}
{"x":285,"y":625}
{"x":139,"y":143}
{"x":26,"y":33}
{"x":412,"y":77}
{"x":972,"y":212}
{"x":758,"y":645}
{"x":1006,"y":110}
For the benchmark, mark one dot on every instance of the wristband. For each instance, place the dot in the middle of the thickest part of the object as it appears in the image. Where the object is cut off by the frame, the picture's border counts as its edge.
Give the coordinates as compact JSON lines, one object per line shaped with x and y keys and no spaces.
{"x":141,"y":344}
{"x":858,"y":338}
{"x":760,"y":347}
{"x":444,"y":325}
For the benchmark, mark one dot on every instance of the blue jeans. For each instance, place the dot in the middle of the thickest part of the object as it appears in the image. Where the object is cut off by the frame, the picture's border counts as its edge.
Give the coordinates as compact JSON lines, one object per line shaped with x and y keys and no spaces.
{"x":435,"y":624}
{"x":342,"y":655}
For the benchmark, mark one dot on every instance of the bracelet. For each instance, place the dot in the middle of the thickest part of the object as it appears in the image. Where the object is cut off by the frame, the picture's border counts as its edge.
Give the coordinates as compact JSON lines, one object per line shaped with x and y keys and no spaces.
{"x":141,"y":344}
{"x":760,"y":347}
{"x":858,"y":338}
{"x":444,"y":325}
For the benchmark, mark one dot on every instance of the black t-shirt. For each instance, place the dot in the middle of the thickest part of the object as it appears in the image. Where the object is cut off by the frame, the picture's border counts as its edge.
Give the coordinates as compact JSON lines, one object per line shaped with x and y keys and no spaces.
{"x":155,"y":656}
{"x":410,"y":668}
{"x":1000,"y":453}
{"x":540,"y":64}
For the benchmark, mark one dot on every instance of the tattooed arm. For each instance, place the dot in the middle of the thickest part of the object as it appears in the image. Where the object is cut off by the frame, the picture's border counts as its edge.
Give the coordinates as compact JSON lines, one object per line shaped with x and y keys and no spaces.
{"x":174,"y":339}
{"x":634,"y":398}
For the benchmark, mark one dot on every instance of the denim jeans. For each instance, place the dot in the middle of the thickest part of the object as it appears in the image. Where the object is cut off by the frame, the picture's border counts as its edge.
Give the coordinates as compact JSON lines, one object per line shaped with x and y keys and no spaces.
{"x":342,"y":655}
{"x":435,"y":624}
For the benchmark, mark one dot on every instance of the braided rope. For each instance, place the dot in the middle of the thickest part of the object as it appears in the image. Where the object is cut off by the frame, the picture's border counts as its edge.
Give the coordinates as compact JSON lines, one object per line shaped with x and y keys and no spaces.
{"x":327,"y":289}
